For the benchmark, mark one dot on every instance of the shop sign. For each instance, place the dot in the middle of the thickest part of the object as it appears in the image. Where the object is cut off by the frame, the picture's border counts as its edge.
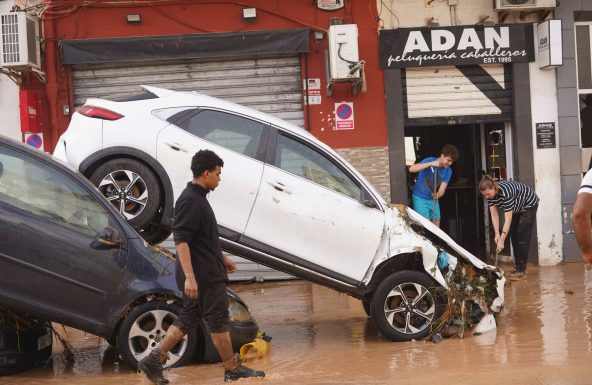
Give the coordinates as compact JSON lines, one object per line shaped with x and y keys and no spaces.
{"x":344,"y":116}
{"x":463,"y":45}
{"x":545,"y":135}
{"x":330,"y":5}
{"x":550,"y":46}
{"x":312,"y":88}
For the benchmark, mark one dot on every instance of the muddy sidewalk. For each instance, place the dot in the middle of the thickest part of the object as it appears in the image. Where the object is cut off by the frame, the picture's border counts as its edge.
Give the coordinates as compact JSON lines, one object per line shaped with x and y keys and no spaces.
{"x":320,"y":336}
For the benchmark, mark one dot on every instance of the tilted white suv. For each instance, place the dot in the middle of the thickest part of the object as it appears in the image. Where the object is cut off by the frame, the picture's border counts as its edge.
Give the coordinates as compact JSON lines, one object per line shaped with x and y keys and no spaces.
{"x":287,"y":201}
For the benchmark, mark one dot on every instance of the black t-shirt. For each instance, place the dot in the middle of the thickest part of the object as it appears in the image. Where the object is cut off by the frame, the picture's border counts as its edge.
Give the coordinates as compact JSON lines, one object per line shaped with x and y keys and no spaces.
{"x":195,"y":223}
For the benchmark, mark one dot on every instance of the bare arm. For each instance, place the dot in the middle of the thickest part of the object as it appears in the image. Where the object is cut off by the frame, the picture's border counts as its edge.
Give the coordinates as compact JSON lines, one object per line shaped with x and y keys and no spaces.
{"x":582,"y":226}
{"x":185,"y":260}
{"x":504,"y":234}
{"x":417,"y":167}
{"x":441,"y":190}
{"x":494,"y":222}
{"x":230,"y":265}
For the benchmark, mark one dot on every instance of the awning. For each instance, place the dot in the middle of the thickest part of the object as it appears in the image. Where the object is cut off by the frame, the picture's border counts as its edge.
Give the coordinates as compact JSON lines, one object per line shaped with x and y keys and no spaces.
{"x":194,"y":46}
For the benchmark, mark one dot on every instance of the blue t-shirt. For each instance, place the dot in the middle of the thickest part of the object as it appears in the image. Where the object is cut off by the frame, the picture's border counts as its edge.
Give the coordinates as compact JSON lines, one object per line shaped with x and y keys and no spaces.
{"x":424,"y":186}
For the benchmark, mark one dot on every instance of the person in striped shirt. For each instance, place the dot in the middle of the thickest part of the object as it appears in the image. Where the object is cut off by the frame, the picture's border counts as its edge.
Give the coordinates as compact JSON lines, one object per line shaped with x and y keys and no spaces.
{"x":582,"y":212}
{"x":519,"y":203}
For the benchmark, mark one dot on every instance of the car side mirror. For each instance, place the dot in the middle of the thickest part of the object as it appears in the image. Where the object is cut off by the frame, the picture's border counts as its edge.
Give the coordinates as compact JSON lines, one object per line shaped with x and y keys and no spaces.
{"x":369,"y":203}
{"x":108,"y":237}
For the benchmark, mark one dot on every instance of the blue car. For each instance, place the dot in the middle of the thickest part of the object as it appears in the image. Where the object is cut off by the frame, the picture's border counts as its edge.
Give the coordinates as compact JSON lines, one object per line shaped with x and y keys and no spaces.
{"x":67,"y":256}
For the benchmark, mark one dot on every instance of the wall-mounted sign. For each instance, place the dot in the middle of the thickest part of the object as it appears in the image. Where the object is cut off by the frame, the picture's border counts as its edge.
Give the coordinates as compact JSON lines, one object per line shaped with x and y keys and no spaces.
{"x":446,"y":46}
{"x":545,"y":135}
{"x":330,"y":5}
{"x":34,"y":139}
{"x":549,"y":44}
{"x":312,"y":88}
{"x":344,"y":116}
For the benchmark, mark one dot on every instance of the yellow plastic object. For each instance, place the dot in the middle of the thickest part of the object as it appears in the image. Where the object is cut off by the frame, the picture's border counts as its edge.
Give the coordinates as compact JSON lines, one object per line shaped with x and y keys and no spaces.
{"x":256,"y":349}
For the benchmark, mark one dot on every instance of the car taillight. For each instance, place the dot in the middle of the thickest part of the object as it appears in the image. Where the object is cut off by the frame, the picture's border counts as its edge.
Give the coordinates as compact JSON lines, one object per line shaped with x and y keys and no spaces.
{"x":99,"y":113}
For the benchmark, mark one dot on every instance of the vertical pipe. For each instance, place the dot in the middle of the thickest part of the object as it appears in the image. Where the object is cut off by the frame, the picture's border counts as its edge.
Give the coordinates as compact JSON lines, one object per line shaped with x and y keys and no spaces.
{"x":51,"y":86}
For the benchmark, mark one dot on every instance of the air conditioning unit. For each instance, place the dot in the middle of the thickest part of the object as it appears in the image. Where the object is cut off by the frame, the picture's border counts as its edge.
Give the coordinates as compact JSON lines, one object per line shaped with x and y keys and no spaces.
{"x":523,"y":5}
{"x":19,"y":41}
{"x":344,"y":59}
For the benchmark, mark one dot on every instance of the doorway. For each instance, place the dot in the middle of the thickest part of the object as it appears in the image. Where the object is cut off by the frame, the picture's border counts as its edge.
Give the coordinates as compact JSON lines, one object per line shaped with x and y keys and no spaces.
{"x":461,"y":207}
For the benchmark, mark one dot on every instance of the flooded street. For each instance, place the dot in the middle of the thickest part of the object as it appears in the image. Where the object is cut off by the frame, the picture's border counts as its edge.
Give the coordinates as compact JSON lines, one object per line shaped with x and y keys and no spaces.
{"x":320,"y":336}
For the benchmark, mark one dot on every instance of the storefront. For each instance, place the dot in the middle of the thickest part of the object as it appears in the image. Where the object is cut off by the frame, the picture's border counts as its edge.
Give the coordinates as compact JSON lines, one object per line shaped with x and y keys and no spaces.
{"x":467,"y":86}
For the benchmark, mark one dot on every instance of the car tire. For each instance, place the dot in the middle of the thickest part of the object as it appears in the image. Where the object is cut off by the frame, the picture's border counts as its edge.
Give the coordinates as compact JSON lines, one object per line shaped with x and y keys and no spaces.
{"x":145,"y":327}
{"x":405,"y":305}
{"x":155,"y":234}
{"x":113,"y":177}
{"x":366,"y":303}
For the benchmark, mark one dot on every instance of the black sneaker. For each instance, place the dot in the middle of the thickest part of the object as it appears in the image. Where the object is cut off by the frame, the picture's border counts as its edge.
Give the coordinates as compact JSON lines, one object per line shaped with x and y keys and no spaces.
{"x":241,"y":372}
{"x":152,"y":368}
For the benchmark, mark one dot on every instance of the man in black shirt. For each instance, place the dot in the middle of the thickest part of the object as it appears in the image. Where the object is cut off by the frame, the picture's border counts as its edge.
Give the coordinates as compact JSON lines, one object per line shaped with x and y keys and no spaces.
{"x":201,"y":273}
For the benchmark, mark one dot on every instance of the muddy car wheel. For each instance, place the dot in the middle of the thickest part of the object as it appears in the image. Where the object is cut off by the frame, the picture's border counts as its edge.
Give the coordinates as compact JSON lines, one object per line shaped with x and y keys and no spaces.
{"x":132,"y":188}
{"x":366,"y":303}
{"x":405,"y":305}
{"x":145,"y":327}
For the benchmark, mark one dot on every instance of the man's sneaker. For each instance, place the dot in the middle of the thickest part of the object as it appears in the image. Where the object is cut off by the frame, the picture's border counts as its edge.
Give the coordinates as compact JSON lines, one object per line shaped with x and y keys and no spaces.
{"x":518,"y":275}
{"x":240,"y":371}
{"x":152,"y":367}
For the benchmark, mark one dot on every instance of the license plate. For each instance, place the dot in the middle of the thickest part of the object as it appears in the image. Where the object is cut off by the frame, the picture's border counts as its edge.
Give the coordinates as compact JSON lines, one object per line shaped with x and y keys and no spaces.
{"x":44,"y":341}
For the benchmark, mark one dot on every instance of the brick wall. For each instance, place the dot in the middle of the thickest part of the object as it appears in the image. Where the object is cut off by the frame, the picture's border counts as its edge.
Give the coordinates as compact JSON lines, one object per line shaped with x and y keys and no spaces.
{"x":372,"y":162}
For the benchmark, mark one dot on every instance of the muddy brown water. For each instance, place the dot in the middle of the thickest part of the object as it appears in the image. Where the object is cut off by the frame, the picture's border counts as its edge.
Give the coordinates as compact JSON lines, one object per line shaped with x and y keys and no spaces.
{"x":321,"y":336}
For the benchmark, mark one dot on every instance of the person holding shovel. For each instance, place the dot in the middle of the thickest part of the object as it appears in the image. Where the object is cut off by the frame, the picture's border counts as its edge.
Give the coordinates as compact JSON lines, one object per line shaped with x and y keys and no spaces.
{"x":432,"y":180}
{"x":519,"y":203}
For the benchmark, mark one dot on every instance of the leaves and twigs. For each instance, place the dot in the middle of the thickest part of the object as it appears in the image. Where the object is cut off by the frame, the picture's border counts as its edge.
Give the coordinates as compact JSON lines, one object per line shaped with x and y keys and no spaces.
{"x":468,"y":298}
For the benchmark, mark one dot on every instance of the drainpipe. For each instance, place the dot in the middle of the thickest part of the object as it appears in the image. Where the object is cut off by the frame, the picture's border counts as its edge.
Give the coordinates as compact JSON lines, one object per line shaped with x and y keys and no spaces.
{"x":51,"y":86}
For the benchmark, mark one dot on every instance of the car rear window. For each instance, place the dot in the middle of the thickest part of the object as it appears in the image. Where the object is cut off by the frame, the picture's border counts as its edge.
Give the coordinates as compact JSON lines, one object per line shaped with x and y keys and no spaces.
{"x":144,"y":95}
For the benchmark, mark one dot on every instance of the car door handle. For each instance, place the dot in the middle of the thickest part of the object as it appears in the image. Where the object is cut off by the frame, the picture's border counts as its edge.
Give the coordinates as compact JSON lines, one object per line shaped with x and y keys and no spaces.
{"x":279,"y":186}
{"x":176,"y":147}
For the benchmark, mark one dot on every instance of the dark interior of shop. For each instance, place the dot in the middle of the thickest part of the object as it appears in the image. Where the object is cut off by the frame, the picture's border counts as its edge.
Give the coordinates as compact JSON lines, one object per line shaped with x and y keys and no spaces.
{"x":461,"y":206}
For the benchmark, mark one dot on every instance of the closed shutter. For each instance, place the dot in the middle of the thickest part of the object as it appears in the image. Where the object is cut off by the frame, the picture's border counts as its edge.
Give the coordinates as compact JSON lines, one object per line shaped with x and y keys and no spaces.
{"x":468,"y":94}
{"x":272,"y":85}
{"x":269,"y":84}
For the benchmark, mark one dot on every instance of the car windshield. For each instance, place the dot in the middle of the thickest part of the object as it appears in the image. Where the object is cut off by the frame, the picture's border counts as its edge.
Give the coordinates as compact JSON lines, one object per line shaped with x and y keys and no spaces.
{"x":44,"y":191}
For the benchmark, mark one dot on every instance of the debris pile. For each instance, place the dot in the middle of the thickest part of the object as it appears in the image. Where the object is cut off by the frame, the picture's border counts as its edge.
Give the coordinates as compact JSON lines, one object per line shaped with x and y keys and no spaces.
{"x":470,"y":296}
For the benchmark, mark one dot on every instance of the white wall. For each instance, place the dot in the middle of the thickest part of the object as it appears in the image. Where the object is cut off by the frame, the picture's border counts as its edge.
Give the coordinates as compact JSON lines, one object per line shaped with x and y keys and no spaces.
{"x":415,"y":13}
{"x":547,"y":171}
{"x":10,"y":124}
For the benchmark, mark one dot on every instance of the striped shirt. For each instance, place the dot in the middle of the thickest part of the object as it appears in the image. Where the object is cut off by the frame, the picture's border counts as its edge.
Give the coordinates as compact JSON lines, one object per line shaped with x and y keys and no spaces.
{"x":514,"y":196}
{"x":586,"y":186}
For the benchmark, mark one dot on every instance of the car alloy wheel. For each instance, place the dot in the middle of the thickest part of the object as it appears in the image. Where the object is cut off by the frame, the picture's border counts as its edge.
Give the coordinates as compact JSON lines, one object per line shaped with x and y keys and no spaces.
{"x":126,"y":190}
{"x":134,"y":190}
{"x":144,"y":329}
{"x":405,"y":305}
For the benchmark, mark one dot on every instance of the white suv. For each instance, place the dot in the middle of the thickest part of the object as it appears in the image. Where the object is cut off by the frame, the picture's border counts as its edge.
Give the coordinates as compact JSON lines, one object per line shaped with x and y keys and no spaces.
{"x":287,"y":201}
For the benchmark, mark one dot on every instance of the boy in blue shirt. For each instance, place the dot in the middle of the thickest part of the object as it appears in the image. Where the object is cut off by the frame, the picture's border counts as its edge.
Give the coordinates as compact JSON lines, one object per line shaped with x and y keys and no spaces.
{"x":432,"y":180}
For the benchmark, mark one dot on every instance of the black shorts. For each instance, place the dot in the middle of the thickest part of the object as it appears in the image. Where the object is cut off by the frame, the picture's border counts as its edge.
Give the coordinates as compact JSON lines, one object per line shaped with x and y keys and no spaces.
{"x":211,"y":305}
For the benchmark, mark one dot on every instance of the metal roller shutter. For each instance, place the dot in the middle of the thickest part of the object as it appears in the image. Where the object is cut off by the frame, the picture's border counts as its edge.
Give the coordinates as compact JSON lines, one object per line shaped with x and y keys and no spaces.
{"x":474,"y":93}
{"x":269,"y":84}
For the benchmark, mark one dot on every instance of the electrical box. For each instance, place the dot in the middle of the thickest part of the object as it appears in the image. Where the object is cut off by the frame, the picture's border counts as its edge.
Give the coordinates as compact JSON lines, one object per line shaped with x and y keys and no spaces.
{"x":33,"y":111}
{"x":19,"y":41}
{"x":344,"y":58}
{"x":521,"y":5}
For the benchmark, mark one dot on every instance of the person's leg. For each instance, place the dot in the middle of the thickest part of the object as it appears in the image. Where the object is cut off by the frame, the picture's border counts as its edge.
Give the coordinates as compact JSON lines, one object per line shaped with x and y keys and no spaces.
{"x":152,"y":365}
{"x":437,"y":217}
{"x":514,"y":239}
{"x":523,"y":234}
{"x":423,"y":207}
{"x":217,"y":318}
